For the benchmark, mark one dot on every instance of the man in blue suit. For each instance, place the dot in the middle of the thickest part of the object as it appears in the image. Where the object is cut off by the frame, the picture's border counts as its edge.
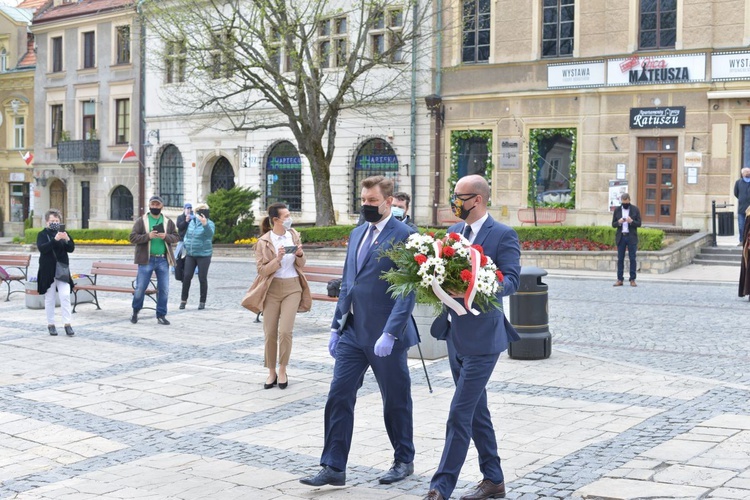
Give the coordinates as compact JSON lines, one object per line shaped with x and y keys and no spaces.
{"x":370,"y":329}
{"x":474,"y":346}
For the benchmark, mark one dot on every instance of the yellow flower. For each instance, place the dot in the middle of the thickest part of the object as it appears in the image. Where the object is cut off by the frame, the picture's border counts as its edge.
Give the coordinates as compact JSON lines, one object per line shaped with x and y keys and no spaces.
{"x":246,"y":241}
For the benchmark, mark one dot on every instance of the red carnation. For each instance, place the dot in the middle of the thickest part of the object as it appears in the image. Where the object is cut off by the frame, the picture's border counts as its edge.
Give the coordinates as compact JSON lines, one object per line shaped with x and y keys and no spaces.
{"x":454,"y":236}
{"x":500,"y":276}
{"x":478,"y":248}
{"x":431,"y":234}
{"x":466,"y":275}
{"x":420,"y":258}
{"x":483,"y":260}
{"x":448,"y":252}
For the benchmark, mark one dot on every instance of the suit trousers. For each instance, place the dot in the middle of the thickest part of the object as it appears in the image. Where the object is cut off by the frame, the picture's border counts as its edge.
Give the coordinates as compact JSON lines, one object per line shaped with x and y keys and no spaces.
{"x":279,"y":311}
{"x":392,"y":375}
{"x":469,"y":418}
{"x":626,"y":242}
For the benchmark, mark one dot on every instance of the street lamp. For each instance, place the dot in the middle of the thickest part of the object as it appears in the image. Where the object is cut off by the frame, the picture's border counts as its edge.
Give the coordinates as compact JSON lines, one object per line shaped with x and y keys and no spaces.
{"x":148,"y":145}
{"x":435,"y":104}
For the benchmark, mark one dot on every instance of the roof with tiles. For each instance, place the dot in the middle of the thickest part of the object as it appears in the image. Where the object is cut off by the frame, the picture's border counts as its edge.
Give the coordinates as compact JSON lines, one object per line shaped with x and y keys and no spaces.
{"x":31,"y":4}
{"x":50,"y":12}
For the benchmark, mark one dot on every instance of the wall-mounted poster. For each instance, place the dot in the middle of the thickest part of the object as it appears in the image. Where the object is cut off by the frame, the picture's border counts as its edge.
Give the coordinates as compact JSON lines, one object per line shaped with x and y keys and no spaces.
{"x":616,"y":189}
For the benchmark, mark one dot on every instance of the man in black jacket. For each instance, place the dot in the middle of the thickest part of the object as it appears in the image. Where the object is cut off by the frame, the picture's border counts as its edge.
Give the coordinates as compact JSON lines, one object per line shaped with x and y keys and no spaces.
{"x":742,"y":193}
{"x":627,"y":220}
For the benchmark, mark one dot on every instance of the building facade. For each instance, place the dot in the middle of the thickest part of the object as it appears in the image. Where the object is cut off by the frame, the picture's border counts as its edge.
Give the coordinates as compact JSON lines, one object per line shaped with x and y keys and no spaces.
{"x":567,"y":103}
{"x":17,"y":61}
{"x":87,"y":88}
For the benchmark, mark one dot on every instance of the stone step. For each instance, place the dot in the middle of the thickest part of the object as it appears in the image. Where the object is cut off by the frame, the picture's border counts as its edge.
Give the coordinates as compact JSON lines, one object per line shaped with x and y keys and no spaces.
{"x":721,"y":251}
{"x":715,"y":262}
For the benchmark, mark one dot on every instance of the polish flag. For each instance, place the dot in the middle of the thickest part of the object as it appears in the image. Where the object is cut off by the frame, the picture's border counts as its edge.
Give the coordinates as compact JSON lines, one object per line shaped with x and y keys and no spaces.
{"x":28,"y":157}
{"x":128,"y":154}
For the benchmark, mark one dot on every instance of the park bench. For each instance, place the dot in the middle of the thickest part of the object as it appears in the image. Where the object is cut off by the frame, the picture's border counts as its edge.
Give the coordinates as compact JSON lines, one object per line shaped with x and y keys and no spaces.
{"x":19,"y":264}
{"x":111,"y":269}
{"x":319,"y":274}
{"x":544,"y":215}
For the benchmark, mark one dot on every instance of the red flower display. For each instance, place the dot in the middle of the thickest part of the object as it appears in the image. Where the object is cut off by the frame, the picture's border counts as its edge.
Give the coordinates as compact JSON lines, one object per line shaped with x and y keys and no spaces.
{"x":466,"y":275}
{"x":483,"y":260}
{"x":479,"y":249}
{"x":500,"y":276}
{"x":454,"y":236}
{"x":420,"y":258}
{"x":448,"y":252}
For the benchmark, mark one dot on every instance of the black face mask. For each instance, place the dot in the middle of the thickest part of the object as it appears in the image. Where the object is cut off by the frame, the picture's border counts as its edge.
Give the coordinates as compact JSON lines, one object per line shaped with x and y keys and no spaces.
{"x":154,"y":211}
{"x":459,"y":210}
{"x":626,"y":205}
{"x":371,"y":213}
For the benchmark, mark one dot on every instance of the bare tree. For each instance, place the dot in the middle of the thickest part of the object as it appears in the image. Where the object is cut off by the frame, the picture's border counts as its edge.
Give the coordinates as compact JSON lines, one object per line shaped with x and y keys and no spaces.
{"x":294,"y":64}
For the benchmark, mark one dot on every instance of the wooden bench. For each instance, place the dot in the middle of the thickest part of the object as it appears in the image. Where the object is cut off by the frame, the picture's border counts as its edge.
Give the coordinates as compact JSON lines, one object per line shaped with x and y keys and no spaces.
{"x":20,"y":265}
{"x":111,"y":269}
{"x":318,"y":274}
{"x":544,"y":215}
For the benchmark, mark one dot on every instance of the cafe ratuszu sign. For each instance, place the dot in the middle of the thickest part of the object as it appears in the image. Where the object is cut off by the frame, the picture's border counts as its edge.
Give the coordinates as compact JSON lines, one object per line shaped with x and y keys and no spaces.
{"x":668,"y":117}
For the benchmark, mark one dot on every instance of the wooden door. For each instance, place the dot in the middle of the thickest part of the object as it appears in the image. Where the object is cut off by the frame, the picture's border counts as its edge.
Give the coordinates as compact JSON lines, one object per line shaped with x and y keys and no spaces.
{"x":57,"y":197}
{"x":657,"y":179}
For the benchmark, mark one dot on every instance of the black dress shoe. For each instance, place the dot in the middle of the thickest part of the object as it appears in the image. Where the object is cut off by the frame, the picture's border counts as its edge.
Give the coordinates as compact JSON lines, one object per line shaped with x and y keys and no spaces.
{"x":284,"y":385}
{"x":183,"y":304}
{"x":52,"y":330}
{"x":272,"y":384}
{"x":486,"y":489}
{"x":162,"y":320}
{"x":69,"y":331}
{"x":397,"y":472}
{"x":201,"y":305}
{"x":434,"y":495}
{"x":325,"y":476}
{"x":134,"y":317}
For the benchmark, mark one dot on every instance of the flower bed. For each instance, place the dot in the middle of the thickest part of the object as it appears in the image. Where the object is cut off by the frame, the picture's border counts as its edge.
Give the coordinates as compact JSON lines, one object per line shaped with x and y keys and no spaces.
{"x":575,"y":244}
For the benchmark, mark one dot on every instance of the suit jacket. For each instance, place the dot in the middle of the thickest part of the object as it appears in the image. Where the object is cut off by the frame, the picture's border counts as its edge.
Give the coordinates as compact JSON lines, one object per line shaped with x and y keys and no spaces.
{"x":364,"y":302}
{"x":635,"y":214}
{"x":490,"y":332}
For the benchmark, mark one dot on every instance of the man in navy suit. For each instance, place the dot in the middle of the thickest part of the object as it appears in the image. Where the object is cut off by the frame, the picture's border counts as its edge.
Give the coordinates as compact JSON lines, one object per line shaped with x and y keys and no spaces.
{"x":370,"y":329}
{"x":474,"y":346}
{"x":627,"y":219}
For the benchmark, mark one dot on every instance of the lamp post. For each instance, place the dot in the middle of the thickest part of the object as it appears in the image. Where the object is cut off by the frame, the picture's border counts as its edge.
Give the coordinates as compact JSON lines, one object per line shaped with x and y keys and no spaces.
{"x":435,"y":104}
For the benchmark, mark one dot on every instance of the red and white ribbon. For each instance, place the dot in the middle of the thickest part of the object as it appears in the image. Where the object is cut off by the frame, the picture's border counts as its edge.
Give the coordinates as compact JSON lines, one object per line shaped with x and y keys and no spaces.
{"x":470,"y":291}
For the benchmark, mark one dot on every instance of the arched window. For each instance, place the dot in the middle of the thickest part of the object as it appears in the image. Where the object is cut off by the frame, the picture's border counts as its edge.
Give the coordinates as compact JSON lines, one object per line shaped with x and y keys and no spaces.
{"x":121,"y":204}
{"x":375,"y":157}
{"x":222,"y":175}
{"x":170,"y":176}
{"x":284,"y":176}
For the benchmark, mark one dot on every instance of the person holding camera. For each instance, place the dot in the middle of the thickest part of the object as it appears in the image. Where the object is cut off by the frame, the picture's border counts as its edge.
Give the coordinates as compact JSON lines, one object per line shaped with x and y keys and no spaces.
{"x":280,"y":290}
{"x":54,"y":245}
{"x":198,"y":244}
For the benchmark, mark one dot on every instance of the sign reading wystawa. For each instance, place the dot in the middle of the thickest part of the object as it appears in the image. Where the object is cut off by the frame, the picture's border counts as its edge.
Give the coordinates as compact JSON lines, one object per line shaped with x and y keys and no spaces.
{"x":671,"y":117}
{"x":572,"y":75}
{"x":730,"y":66}
{"x":657,"y":69}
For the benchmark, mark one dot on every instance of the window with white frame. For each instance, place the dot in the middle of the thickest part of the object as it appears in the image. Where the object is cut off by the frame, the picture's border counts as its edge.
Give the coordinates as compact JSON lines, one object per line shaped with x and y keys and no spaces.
{"x":88,"y":41}
{"x":174,"y":63}
{"x":333,"y":42}
{"x":56,"y":123}
{"x":3,"y":60}
{"x":221,"y":56}
{"x":122,"y":121}
{"x":476,"y":29}
{"x":278,"y":54}
{"x":56,"y":54}
{"x":385,"y":35}
{"x":19,"y":132}
{"x":558,"y":19}
{"x":122,"y":35}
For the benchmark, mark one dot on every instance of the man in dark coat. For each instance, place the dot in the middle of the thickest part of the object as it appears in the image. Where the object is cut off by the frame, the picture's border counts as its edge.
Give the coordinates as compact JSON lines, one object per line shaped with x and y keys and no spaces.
{"x":627,"y":219}
{"x":742,"y":193}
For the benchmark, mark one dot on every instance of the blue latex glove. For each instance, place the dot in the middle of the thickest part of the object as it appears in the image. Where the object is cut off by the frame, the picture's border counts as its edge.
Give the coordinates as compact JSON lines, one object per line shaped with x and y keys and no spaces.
{"x":332,"y":343}
{"x":384,"y":345}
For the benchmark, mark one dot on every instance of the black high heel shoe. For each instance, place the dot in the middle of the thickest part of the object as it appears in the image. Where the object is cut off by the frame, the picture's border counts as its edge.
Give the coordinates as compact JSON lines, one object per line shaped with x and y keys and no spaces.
{"x":283,"y":385}
{"x":272,"y":384}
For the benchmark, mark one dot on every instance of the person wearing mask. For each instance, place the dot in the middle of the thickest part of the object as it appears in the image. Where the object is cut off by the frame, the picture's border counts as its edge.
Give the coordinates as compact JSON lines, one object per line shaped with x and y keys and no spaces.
{"x":475,"y":343}
{"x":280,"y":290}
{"x":198,"y":243}
{"x":742,"y":193}
{"x":182,"y":223}
{"x":400,"y":209}
{"x":370,"y":329}
{"x":153,"y":236}
{"x":54,"y":246}
{"x":627,"y":219}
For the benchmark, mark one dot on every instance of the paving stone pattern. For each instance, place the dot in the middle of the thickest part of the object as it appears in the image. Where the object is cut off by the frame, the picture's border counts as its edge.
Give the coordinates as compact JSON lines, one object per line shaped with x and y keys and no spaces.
{"x":644,"y":396}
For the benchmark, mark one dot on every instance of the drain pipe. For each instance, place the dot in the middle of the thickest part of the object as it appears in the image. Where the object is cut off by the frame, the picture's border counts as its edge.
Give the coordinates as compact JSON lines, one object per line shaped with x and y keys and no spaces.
{"x":413,"y":138}
{"x":438,"y":117}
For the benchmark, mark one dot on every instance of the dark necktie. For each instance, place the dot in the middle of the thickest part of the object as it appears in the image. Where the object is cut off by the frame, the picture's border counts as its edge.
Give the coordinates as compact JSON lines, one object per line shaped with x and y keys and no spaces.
{"x":467,"y":232}
{"x":364,"y":248}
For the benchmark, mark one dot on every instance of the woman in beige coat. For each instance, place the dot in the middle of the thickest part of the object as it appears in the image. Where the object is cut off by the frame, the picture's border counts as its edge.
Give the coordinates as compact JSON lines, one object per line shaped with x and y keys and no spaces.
{"x":280,"y":290}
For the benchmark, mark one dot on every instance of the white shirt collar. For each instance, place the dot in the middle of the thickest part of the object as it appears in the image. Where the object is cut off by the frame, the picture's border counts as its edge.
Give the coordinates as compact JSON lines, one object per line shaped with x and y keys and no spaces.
{"x":381,"y":225}
{"x":477,"y":225}
{"x":276,"y":238}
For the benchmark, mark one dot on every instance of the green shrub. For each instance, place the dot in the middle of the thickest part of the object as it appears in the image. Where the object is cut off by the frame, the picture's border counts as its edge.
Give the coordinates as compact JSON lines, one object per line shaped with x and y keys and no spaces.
{"x":83,"y":234}
{"x":325,"y":233}
{"x":230,"y":211}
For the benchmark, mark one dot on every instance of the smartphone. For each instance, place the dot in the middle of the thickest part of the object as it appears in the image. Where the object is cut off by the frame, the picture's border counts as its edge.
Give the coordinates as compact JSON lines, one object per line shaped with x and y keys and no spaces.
{"x":159,"y":228}
{"x":62,"y":228}
{"x":290,"y":249}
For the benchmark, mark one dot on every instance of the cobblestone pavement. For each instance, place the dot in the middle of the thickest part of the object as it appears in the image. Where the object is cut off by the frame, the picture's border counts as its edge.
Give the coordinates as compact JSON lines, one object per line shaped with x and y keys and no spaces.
{"x":645,"y":395}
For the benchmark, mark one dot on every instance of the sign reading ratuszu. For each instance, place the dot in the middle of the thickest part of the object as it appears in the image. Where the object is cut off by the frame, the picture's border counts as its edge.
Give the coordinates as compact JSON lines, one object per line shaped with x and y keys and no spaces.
{"x":671,"y":117}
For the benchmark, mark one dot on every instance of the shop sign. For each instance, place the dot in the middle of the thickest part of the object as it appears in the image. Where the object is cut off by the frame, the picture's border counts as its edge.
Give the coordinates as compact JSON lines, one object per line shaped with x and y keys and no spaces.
{"x":652,"y":70}
{"x":573,"y":75}
{"x":510,"y":150}
{"x":672,"y":117}
{"x":730,"y":66}
{"x":17,"y":177}
{"x":693,"y":159}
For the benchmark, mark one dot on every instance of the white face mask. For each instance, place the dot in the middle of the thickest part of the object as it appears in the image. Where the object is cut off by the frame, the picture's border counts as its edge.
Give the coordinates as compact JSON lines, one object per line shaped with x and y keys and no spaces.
{"x":287,"y":223}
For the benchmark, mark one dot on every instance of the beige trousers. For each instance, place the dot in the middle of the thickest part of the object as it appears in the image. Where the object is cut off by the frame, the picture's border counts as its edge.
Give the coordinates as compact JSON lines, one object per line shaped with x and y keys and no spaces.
{"x":279,"y":311}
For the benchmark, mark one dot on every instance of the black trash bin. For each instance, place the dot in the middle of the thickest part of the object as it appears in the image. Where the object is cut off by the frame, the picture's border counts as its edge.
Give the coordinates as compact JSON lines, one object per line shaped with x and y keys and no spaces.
{"x":529,"y":315}
{"x":726,"y":223}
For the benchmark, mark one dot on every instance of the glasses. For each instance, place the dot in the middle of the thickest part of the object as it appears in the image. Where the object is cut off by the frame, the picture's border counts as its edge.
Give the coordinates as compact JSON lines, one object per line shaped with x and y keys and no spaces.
{"x":463,"y":197}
